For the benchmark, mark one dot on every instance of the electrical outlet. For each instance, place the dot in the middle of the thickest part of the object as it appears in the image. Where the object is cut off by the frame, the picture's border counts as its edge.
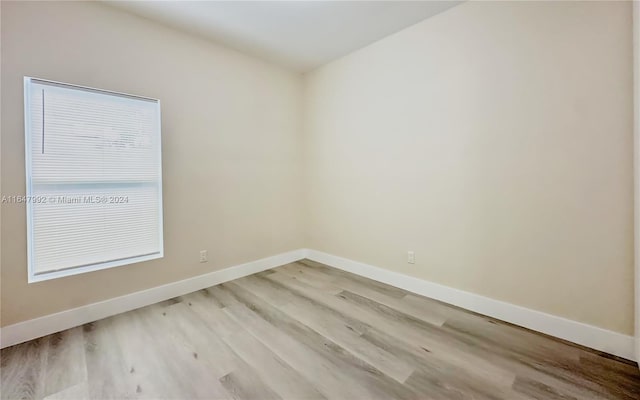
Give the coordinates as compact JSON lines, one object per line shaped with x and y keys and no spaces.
{"x":204,"y":256}
{"x":411,"y":257}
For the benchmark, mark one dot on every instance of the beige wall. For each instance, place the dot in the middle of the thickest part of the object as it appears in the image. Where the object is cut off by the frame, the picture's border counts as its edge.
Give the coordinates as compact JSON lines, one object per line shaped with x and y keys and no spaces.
{"x":231,"y":140}
{"x":495,"y":141}
{"x":636,"y":109}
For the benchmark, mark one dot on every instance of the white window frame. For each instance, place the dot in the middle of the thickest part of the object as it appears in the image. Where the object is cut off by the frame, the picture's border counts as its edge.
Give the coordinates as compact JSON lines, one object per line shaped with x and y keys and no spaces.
{"x":32,"y":276}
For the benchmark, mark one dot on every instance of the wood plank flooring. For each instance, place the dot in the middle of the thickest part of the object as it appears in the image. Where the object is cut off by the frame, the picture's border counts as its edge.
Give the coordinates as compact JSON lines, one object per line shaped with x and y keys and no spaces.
{"x":308,"y":331}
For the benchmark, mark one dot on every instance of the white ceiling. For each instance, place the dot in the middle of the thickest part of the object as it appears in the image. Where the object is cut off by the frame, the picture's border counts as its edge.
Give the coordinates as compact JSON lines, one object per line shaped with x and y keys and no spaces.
{"x":301,"y":35}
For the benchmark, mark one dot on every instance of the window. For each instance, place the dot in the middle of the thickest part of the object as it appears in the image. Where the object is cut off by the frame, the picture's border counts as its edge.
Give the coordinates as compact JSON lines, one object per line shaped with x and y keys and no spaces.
{"x":94,"y":181}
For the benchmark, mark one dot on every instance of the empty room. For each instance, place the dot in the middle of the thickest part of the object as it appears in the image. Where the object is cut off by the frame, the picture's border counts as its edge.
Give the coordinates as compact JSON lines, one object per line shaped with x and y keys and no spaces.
{"x":349,"y":200}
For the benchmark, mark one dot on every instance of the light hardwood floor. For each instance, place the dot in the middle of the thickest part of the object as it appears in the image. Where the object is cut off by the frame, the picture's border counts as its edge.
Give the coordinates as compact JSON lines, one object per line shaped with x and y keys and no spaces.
{"x":307,"y":331}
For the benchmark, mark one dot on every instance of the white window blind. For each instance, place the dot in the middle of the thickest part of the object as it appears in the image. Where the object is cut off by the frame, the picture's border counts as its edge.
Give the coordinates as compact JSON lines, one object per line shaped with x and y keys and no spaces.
{"x":94,"y":182}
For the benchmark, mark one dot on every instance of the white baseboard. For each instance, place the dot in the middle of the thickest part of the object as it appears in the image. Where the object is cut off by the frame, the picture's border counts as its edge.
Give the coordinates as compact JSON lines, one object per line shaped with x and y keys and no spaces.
{"x":38,"y":327}
{"x":587,"y":335}
{"x":577,"y":332}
